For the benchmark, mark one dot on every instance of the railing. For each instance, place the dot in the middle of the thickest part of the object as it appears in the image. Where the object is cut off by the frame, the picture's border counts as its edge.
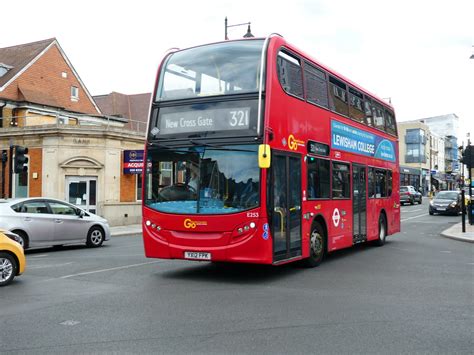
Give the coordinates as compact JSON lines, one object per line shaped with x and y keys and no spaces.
{"x":104,"y":122}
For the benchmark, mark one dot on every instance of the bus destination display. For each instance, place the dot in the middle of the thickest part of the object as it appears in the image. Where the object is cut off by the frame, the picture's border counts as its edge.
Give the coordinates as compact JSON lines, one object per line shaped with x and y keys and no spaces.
{"x":222,"y":119}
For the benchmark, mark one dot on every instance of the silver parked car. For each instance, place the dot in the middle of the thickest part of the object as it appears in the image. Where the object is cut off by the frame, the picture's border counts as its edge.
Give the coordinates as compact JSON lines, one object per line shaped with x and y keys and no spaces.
{"x":42,"y":221}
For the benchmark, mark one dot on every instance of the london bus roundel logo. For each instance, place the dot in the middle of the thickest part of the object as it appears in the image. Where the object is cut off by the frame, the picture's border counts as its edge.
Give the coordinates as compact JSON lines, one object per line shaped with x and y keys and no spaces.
{"x":336,"y":217}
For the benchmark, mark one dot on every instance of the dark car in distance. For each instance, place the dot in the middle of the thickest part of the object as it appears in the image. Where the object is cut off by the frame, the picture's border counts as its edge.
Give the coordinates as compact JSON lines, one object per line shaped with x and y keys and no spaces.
{"x":408,"y":194}
{"x":446,"y":202}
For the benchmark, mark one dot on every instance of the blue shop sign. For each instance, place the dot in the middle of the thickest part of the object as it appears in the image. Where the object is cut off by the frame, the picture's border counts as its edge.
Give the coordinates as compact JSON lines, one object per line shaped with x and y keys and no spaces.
{"x":354,"y":140}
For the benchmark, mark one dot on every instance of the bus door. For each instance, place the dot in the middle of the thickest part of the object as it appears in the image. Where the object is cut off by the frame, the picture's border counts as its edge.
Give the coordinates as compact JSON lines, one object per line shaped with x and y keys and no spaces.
{"x":285,"y":205}
{"x":359,"y":203}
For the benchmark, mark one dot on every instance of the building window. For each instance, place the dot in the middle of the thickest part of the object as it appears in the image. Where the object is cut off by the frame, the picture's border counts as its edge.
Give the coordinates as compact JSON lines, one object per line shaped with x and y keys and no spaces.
{"x":139,"y":187}
{"x":74,"y":93}
{"x":415,"y":140}
{"x":4,"y":69}
{"x":415,"y":136}
{"x":63,"y":120}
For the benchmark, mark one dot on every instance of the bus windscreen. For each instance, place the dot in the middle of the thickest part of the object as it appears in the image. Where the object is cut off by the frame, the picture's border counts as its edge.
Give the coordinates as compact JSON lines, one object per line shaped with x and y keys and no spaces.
{"x":216,"y":69}
{"x":203,"y":180}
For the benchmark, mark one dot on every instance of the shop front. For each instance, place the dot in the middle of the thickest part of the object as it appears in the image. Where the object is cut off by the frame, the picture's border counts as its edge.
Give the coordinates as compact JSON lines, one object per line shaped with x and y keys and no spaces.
{"x":410,"y":177}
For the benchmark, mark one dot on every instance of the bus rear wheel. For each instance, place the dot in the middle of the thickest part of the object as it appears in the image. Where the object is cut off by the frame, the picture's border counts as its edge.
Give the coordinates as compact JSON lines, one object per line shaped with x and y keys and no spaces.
{"x":317,"y":246}
{"x":382,"y":231}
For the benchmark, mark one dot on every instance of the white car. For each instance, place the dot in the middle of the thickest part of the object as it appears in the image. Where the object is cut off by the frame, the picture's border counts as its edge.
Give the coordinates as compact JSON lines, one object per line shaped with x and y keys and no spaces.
{"x":42,"y":221}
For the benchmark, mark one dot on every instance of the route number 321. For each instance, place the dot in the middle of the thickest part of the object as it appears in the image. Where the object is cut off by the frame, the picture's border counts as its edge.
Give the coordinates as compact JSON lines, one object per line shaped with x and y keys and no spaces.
{"x":239,"y":118}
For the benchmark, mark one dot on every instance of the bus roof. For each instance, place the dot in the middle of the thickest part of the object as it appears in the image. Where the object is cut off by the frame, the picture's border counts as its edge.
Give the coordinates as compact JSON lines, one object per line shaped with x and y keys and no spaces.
{"x":334,"y":73}
{"x":309,"y":58}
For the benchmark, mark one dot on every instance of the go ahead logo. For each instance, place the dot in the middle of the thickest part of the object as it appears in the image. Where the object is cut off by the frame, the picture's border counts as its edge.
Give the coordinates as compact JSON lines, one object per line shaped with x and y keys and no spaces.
{"x":190,"y":224}
{"x":293,"y":143}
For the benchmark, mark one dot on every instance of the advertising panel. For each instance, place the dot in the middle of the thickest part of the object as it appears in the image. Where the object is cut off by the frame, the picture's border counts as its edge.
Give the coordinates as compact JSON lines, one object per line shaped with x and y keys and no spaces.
{"x":354,"y":140}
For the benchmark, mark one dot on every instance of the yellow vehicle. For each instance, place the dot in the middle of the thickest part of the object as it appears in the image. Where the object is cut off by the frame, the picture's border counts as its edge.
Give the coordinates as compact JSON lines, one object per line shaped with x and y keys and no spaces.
{"x":12,"y":257}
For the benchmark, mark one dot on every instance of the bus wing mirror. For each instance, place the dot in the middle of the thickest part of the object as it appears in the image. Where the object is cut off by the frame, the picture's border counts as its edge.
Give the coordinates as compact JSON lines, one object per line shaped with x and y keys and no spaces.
{"x":264,"y":155}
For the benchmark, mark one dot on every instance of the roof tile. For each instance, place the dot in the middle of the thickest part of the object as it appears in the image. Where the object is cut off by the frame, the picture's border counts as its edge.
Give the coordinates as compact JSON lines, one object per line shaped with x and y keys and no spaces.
{"x":19,"y":56}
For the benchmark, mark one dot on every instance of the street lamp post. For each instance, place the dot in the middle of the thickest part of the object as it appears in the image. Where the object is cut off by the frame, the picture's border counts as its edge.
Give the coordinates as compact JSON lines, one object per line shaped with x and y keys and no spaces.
{"x":247,"y":35}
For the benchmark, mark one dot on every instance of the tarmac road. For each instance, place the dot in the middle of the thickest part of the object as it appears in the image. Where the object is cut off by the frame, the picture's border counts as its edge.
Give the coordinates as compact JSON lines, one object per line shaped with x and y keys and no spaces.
{"x":413,"y":295}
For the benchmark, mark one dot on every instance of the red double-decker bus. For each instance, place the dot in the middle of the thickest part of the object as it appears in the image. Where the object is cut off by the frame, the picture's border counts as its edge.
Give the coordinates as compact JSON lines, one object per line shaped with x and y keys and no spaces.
{"x":257,"y":153}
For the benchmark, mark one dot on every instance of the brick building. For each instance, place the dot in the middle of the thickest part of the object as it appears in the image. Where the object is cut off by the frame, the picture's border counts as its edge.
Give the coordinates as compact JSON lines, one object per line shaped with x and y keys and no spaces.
{"x":132,"y":107}
{"x":76,"y":152}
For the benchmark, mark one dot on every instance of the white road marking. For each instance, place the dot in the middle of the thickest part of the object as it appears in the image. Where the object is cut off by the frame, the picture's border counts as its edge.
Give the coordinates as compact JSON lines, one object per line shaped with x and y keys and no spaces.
{"x":445,"y":251}
{"x":110,"y":269}
{"x":418,"y":209}
{"x":38,"y":256}
{"x":45,"y":266}
{"x":406,"y":219}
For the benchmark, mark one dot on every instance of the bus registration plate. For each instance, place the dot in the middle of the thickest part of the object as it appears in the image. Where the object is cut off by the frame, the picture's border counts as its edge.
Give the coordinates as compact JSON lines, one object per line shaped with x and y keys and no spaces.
{"x":197,"y":255}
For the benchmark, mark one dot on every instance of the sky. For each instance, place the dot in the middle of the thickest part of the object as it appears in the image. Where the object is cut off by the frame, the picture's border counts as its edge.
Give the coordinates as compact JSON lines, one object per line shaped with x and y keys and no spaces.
{"x":414,"y":52}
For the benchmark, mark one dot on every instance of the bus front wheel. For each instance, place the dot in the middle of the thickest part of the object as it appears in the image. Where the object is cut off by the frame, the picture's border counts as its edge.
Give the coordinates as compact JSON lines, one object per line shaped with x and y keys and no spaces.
{"x":317,"y":246}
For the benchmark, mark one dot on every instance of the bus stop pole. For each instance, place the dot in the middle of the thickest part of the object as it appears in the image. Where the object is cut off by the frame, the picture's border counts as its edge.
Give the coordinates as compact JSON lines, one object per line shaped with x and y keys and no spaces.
{"x":463,"y":211}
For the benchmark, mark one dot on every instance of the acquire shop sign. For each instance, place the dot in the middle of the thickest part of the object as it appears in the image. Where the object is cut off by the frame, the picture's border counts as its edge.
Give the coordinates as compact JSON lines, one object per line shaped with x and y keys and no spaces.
{"x":132,"y":161}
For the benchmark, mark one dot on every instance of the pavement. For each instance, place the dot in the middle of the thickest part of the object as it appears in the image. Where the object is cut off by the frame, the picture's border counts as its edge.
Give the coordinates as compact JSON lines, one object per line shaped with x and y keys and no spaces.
{"x":453,"y":232}
{"x":132,"y":229}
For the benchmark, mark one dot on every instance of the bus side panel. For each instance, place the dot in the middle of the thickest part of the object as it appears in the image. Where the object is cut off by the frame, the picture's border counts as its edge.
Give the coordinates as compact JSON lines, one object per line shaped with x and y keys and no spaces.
{"x":339,"y":218}
{"x":339,"y":228}
{"x":374,"y":210}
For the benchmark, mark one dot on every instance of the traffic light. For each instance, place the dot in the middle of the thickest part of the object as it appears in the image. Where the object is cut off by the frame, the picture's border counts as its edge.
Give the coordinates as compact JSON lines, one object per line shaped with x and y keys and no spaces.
{"x":4,"y":156}
{"x":20,"y":159}
{"x":468,"y":156}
